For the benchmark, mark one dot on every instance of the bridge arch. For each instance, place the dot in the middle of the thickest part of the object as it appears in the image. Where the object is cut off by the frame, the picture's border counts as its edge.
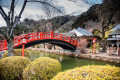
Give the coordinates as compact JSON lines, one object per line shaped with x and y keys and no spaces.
{"x":43,"y":37}
{"x":63,"y":44}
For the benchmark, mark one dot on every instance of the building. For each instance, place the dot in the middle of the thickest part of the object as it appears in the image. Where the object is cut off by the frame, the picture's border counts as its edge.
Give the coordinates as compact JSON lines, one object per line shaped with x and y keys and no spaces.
{"x":78,"y":33}
{"x":114,"y":38}
{"x":113,"y":42}
{"x":82,"y":35}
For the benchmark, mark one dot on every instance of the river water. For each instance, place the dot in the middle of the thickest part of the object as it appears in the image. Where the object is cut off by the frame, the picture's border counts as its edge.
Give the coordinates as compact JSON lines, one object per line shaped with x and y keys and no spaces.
{"x":69,"y":62}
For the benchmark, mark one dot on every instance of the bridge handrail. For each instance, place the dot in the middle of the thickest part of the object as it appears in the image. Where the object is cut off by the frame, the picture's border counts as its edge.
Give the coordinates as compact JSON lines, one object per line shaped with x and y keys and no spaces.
{"x":39,"y":36}
{"x":3,"y":45}
{"x":47,"y":35}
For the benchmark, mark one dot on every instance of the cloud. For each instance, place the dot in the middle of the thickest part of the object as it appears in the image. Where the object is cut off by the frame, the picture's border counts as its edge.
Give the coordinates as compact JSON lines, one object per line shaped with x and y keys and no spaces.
{"x":2,"y":22}
{"x":33,"y":14}
{"x":72,"y":7}
{"x":34,"y":11}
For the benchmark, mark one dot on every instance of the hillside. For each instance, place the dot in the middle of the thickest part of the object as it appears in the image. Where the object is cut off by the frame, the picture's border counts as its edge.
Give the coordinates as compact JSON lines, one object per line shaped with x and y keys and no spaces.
{"x":67,"y":26}
{"x":93,"y":15}
{"x":30,"y":25}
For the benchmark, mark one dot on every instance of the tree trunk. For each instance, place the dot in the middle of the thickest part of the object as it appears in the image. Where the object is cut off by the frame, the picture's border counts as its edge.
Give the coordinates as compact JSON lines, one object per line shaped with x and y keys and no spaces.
{"x":103,"y":41}
{"x":10,"y":48}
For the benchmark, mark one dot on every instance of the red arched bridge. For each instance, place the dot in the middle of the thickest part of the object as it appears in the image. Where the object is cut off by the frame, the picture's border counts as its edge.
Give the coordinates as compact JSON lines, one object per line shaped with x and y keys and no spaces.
{"x":41,"y":37}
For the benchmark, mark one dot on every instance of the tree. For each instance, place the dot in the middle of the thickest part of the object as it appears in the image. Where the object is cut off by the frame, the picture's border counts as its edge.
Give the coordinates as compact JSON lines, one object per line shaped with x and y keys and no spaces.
{"x":12,"y":20}
{"x":50,"y":13}
{"x":106,"y":15}
{"x":107,"y":18}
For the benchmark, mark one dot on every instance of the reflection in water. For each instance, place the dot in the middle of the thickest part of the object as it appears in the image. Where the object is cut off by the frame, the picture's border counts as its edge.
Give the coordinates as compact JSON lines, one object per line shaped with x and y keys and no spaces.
{"x":35,"y":54}
{"x":60,"y":58}
{"x":68,"y":62}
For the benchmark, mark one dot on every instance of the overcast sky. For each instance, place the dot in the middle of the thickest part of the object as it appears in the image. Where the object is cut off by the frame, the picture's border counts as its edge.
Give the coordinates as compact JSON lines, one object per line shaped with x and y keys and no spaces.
{"x":33,"y":10}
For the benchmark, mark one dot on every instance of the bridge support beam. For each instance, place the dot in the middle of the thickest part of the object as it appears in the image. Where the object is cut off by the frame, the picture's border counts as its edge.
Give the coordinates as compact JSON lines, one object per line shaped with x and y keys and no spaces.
{"x":23,"y":47}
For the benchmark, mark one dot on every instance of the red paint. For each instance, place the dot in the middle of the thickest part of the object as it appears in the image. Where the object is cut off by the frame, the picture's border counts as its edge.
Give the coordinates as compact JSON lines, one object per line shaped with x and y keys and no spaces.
{"x":93,"y":48}
{"x":23,"y":46}
{"x":3,"y":45}
{"x":18,"y":40}
{"x":94,"y":41}
{"x":51,"y":34}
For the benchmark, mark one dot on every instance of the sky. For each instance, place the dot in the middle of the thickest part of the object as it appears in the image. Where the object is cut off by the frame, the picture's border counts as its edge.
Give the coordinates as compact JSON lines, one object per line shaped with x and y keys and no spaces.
{"x":34,"y":10}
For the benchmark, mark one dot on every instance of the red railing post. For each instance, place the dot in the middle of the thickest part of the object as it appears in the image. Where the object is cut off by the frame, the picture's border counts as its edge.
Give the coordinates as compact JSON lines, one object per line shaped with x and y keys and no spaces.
{"x":23,"y":46}
{"x":51,"y":34}
{"x":41,"y":35}
{"x":60,"y":36}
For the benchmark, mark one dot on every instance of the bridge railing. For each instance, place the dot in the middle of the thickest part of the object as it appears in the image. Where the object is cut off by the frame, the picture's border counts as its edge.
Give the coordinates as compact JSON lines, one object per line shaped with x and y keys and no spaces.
{"x":38,"y":36}
{"x":43,"y":35}
{"x":3,"y":45}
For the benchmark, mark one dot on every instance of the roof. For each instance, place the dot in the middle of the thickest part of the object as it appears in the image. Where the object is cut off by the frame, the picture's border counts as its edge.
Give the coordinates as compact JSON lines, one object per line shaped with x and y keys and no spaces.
{"x":69,"y":34}
{"x":81,"y":32}
{"x":113,"y":38}
{"x":116,"y":27}
{"x":116,"y":32}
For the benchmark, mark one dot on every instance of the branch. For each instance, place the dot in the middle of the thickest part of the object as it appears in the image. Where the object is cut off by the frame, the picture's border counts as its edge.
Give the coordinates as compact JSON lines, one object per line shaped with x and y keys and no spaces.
{"x":23,"y":7}
{"x":98,"y":30}
{"x":43,"y":2}
{"x":2,"y":12}
{"x":18,"y":18}
{"x":1,"y":9}
{"x":109,"y":22}
{"x":5,"y":17}
{"x":111,"y":27}
{"x":12,"y":10}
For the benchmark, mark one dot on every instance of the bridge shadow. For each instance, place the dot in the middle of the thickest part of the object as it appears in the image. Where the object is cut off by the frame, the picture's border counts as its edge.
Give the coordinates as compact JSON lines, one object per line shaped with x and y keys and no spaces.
{"x":63,"y":44}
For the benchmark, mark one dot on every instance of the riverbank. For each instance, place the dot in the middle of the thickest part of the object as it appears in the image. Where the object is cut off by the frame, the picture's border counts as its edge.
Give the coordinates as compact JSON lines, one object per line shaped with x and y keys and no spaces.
{"x":100,"y":57}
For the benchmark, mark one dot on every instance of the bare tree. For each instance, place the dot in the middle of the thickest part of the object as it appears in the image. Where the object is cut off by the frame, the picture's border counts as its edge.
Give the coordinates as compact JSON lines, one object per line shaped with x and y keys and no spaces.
{"x":12,"y":20}
{"x":51,"y":12}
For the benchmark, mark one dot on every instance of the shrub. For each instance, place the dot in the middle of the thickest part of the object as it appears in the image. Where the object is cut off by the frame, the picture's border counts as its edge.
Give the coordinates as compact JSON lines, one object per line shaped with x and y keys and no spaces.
{"x":42,"y":68}
{"x":83,"y":45}
{"x":11,"y":68}
{"x":90,"y":73}
{"x":17,"y":52}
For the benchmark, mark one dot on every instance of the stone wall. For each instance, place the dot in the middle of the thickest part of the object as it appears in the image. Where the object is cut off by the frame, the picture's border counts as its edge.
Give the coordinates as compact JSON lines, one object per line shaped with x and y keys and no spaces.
{"x":100,"y":57}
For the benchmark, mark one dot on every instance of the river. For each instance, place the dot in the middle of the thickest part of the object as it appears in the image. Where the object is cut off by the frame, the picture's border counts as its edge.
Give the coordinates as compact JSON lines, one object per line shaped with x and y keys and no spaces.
{"x":68,"y":62}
